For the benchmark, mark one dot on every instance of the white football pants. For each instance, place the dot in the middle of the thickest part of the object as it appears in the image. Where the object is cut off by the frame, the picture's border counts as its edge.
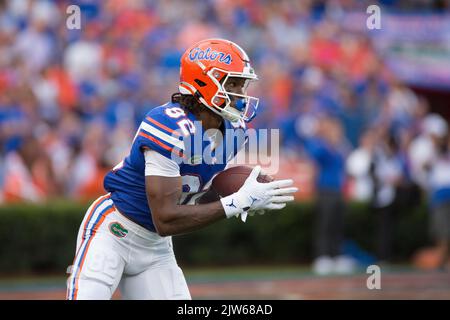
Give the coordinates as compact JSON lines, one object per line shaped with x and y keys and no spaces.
{"x":113,"y":251}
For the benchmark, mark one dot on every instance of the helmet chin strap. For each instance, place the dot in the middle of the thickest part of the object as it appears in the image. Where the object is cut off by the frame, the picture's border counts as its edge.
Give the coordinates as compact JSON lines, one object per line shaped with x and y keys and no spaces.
{"x":231,"y":113}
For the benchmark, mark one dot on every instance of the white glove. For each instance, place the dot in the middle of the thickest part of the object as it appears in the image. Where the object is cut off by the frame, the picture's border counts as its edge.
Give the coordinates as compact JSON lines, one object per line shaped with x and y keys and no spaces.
{"x":254,"y":196}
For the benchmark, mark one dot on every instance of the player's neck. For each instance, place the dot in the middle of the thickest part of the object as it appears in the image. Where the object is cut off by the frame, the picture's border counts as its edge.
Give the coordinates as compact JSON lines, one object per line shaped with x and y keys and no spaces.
{"x":209,"y":120}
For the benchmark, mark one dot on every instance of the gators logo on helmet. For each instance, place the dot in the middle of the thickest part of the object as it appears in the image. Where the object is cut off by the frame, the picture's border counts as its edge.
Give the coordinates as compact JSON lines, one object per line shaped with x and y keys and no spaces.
{"x":208,"y":54}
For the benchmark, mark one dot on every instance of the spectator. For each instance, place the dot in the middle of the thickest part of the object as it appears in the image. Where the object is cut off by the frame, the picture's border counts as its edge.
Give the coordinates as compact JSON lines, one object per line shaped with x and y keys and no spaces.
{"x":439,"y":186}
{"x":422,"y":149}
{"x":328,"y":151}
{"x":387,"y":173}
{"x":28,"y":173}
{"x":359,"y":166}
{"x":88,"y":164}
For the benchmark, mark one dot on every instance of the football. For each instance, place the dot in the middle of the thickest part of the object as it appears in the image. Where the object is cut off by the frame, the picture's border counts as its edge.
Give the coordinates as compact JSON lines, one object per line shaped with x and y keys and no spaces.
{"x":232,"y":179}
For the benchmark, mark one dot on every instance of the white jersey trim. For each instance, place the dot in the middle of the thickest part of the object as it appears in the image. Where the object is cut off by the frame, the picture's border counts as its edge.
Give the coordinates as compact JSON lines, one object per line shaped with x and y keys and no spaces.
{"x":158,"y":165}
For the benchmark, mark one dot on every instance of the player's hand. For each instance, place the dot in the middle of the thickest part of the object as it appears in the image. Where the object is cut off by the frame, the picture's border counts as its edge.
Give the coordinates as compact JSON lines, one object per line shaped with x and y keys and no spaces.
{"x":254,"y":196}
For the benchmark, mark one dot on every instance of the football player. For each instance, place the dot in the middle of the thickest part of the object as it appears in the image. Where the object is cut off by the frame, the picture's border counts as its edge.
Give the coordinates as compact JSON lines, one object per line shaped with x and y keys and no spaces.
{"x":125,"y":238}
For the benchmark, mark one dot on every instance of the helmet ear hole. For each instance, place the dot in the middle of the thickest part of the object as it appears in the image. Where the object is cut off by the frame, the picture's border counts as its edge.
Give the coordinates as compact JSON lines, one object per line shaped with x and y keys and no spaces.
{"x":200,"y":82}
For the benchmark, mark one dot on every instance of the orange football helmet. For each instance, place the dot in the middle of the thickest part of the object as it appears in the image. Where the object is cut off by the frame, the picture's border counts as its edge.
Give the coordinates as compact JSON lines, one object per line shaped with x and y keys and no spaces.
{"x":205,"y":68}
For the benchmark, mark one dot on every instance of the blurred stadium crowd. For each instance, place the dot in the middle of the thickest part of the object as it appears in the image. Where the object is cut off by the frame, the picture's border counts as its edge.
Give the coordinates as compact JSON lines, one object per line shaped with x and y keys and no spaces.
{"x":71,"y":100}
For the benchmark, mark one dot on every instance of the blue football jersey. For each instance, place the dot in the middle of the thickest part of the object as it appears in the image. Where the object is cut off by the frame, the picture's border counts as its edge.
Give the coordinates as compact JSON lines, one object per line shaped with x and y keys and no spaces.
{"x":178,"y":135}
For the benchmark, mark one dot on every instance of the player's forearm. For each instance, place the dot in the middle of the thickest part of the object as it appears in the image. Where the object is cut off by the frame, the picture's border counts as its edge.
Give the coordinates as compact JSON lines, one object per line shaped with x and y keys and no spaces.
{"x":178,"y":219}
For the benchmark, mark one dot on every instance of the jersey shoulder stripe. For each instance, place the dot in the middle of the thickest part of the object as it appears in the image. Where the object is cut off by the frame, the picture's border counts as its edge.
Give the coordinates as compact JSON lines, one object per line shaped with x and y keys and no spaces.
{"x":160,"y":144}
{"x":162,"y":126}
{"x":161,"y":135}
{"x":160,"y":131}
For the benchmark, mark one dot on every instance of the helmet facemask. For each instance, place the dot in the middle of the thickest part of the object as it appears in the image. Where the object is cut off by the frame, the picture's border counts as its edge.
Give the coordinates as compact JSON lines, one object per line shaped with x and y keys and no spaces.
{"x":230,"y":105}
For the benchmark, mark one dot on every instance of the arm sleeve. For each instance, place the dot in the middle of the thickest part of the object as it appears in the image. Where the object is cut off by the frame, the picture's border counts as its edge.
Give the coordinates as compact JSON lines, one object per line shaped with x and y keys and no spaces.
{"x":158,"y":165}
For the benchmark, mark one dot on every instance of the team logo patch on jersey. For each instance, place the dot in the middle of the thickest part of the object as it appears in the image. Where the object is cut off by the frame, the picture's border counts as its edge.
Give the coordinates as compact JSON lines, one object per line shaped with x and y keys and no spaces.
{"x":117,"y":229}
